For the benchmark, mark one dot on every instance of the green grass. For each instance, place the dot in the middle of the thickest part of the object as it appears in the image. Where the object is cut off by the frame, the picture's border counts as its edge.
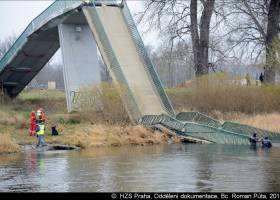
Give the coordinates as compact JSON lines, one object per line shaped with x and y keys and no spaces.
{"x":178,"y":90}
{"x":44,"y":94}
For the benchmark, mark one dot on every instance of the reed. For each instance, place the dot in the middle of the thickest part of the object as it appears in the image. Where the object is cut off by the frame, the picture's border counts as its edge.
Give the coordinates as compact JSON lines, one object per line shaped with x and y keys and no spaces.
{"x":224,"y":93}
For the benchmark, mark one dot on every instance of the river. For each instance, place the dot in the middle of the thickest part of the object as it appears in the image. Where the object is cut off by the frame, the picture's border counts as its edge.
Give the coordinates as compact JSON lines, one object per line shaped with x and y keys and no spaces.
{"x":158,"y":168}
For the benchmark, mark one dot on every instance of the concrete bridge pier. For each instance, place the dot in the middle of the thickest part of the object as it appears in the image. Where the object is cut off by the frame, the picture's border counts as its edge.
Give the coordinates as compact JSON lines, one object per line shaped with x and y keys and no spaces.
{"x":80,"y":61}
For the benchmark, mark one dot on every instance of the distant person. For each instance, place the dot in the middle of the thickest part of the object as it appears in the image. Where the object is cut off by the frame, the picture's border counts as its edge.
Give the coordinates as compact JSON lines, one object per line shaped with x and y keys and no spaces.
{"x":43,"y":116}
{"x":261,"y":78}
{"x":33,"y":124}
{"x":40,"y":128}
{"x":248,"y":80}
{"x":257,"y":79}
{"x":266,"y":142}
{"x":254,"y":140}
{"x":39,"y":117}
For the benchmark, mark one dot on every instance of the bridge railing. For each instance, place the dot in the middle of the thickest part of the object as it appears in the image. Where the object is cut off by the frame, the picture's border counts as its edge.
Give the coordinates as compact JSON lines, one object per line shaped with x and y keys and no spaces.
{"x":215,"y":134}
{"x":164,"y":120}
{"x":199,"y":118}
{"x":274,"y":137}
{"x":237,"y":128}
{"x":206,"y":132}
{"x":146,"y":61}
{"x":54,"y":7}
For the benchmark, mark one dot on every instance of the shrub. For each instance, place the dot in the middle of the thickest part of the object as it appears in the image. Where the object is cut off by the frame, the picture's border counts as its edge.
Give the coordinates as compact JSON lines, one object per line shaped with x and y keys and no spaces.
{"x":98,"y":102}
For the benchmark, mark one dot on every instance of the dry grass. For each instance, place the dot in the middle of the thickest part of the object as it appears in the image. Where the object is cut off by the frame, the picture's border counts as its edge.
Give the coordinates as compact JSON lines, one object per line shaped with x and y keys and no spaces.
{"x":269,"y":121}
{"x":11,"y":118}
{"x":112,"y":135}
{"x":220,"y":92}
{"x":8,"y":144}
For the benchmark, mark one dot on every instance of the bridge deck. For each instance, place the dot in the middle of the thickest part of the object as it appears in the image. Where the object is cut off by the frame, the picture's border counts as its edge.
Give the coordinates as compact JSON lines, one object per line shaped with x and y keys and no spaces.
{"x":129,"y":60}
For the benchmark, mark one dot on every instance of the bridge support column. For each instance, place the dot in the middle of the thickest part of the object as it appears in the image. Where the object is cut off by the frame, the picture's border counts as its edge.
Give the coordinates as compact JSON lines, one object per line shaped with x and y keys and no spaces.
{"x":80,"y":61}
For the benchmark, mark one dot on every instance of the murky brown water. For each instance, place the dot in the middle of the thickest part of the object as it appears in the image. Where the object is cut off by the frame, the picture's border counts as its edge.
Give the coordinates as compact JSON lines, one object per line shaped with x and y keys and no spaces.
{"x":170,"y":168}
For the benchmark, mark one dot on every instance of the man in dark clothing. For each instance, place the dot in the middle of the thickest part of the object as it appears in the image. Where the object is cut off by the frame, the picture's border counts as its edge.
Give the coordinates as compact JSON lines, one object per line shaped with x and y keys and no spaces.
{"x":261,"y":78}
{"x":266,"y":142}
{"x":254,"y":140}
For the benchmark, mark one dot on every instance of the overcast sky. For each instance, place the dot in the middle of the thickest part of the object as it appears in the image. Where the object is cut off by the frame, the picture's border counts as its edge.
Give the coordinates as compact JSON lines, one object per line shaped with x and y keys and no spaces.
{"x":16,"y":15}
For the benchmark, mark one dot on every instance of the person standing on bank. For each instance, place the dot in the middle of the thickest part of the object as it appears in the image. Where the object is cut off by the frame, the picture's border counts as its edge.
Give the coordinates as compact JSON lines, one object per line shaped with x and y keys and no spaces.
{"x":261,"y":78}
{"x":248,"y":80}
{"x":33,"y":124}
{"x":40,"y":128}
{"x":43,"y":116}
{"x":38,"y":117}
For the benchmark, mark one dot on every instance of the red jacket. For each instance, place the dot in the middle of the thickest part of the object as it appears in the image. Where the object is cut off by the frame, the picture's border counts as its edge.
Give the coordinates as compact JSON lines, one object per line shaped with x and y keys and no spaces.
{"x":32,"y":119}
{"x":43,"y":116}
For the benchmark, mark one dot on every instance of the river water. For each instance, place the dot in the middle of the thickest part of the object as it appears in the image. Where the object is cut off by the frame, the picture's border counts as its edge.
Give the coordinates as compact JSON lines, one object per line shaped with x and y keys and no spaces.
{"x":168,"y":168}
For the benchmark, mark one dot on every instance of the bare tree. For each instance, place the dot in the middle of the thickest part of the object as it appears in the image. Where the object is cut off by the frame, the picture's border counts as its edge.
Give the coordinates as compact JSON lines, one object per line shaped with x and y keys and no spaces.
{"x":177,"y":18}
{"x":6,"y":44}
{"x":272,"y":35}
{"x":251,"y":26}
{"x":201,"y":41}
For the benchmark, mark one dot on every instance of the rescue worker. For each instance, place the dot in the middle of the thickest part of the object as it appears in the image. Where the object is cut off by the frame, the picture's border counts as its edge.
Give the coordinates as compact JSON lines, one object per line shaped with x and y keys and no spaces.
{"x":266,"y":142}
{"x":43,"y":116}
{"x":40,"y":128}
{"x":248,"y":80}
{"x":38,"y":117}
{"x":33,"y":124}
{"x":254,"y":140}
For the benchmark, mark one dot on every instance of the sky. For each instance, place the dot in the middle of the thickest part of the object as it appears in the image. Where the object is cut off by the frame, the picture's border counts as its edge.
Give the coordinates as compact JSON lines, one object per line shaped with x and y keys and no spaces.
{"x":16,"y":15}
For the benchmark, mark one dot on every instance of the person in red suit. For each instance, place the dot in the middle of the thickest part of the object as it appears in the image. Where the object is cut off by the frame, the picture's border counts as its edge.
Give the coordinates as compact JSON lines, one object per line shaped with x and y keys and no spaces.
{"x":33,"y":124}
{"x":43,"y":116}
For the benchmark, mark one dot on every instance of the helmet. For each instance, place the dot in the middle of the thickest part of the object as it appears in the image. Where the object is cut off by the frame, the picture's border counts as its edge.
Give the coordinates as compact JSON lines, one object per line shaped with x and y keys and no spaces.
{"x":40,"y":109}
{"x":33,"y":112}
{"x":254,"y":135}
{"x":266,"y":138}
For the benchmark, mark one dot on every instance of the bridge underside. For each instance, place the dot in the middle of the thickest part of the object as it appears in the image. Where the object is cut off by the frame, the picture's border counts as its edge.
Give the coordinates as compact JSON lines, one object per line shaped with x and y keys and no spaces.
{"x":30,"y":60}
{"x":37,"y":49}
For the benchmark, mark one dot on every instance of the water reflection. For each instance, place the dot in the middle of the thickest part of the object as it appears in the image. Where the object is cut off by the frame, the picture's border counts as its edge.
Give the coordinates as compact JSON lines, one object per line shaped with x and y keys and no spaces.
{"x":171,"y":168}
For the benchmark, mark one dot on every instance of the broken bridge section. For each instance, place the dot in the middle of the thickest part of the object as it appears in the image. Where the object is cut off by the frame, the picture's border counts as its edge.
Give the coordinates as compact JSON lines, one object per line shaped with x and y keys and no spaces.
{"x":79,"y":28}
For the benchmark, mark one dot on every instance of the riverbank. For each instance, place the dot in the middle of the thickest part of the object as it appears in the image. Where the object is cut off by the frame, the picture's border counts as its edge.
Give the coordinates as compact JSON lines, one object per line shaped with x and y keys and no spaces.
{"x":112,"y":128}
{"x":84,"y":135}
{"x":81,"y":130}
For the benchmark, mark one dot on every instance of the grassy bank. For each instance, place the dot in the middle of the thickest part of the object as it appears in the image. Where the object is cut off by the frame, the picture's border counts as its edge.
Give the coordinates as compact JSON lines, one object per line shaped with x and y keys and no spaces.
{"x":217,"y":96}
{"x":84,"y":129}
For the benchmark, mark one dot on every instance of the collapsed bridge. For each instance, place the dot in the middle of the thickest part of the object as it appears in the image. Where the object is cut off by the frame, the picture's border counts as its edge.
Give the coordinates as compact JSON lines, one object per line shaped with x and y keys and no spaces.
{"x":79,"y":28}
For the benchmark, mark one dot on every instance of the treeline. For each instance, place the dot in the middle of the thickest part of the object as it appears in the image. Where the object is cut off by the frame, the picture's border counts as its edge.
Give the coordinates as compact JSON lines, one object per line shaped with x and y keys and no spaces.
{"x":200,"y":37}
{"x":176,"y":66}
{"x":219,"y":35}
